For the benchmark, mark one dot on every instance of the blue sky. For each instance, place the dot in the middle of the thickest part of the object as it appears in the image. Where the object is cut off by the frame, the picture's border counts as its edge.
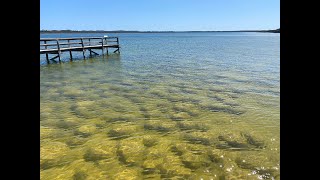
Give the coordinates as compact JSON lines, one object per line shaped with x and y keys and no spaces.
{"x":160,"y":15}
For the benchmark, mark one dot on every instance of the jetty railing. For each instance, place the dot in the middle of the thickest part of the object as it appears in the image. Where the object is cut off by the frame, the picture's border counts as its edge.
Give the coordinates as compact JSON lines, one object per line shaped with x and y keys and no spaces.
{"x":59,"y":45}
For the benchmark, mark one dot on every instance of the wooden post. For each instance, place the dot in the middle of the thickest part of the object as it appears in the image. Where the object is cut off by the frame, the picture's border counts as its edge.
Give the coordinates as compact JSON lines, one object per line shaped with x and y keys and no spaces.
{"x":59,"y":52}
{"x":47,"y":56}
{"x":107,"y":46}
{"x":102,"y":45}
{"x":90,"y":49}
{"x":84,"y":57}
{"x":118,"y":45}
{"x":70,"y":52}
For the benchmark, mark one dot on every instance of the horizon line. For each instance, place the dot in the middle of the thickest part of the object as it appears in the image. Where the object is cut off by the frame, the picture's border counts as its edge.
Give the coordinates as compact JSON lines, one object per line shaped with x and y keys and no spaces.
{"x":45,"y":30}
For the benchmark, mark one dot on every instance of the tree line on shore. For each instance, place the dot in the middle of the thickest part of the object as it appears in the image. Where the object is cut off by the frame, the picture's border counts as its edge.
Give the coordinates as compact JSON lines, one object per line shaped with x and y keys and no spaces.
{"x":124,"y":31}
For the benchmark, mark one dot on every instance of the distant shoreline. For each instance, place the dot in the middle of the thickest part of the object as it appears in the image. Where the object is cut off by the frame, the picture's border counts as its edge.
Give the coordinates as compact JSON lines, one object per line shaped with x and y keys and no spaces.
{"x":122,"y":31}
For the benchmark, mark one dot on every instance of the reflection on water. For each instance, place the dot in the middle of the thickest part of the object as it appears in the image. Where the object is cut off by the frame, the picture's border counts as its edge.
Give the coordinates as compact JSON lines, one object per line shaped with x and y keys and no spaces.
{"x":124,"y":117}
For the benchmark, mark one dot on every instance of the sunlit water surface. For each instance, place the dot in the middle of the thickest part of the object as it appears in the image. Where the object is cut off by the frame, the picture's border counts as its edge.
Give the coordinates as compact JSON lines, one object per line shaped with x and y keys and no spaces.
{"x":170,"y":106}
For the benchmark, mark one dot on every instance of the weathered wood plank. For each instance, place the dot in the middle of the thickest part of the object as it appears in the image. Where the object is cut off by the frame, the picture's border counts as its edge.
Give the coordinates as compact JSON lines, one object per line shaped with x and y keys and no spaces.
{"x":42,"y":51}
{"x":76,"y":38}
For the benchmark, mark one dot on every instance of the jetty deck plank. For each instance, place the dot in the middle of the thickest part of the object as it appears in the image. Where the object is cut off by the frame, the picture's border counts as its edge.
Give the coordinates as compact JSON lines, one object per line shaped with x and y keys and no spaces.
{"x":43,"y":51}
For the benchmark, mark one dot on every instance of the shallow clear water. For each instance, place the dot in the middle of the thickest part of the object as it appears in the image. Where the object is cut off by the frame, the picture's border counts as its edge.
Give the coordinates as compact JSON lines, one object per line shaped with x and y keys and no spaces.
{"x":170,"y":106}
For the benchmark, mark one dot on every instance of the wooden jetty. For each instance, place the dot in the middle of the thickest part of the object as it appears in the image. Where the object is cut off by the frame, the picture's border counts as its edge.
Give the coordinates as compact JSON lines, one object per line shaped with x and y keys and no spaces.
{"x":59,"y":45}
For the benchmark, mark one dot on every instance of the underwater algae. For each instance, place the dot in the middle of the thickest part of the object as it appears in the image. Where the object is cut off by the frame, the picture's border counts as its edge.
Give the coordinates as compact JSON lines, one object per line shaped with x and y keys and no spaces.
{"x":111,"y":133}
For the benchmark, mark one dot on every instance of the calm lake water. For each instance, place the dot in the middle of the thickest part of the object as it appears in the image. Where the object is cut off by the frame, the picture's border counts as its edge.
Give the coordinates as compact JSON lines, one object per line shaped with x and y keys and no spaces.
{"x":170,"y":106}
